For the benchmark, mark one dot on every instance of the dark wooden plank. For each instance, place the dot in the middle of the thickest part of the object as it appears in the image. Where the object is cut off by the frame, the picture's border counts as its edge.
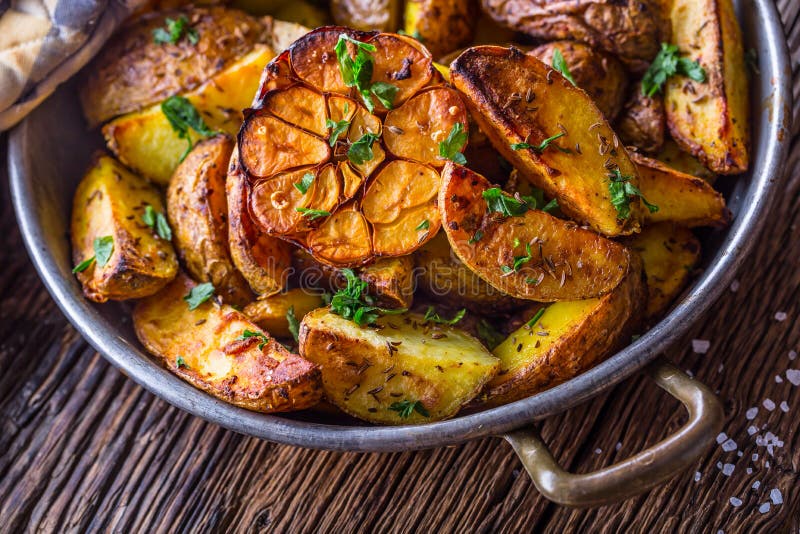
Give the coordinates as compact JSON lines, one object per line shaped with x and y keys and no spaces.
{"x":83,"y":448}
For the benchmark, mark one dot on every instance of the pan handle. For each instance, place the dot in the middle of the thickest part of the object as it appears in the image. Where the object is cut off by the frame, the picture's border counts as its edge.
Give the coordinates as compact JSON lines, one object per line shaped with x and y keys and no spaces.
{"x":637,"y":473}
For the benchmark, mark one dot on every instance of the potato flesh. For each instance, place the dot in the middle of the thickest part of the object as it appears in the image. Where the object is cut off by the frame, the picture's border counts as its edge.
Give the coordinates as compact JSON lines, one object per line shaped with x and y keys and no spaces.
{"x":443,"y":25}
{"x":146,"y":142}
{"x":710,"y":120}
{"x":566,"y":262}
{"x":215,"y":358}
{"x":516,"y":98}
{"x":365,"y":371}
{"x":271,"y":313}
{"x":372,"y":206}
{"x":110,"y":201}
{"x":680,"y":160}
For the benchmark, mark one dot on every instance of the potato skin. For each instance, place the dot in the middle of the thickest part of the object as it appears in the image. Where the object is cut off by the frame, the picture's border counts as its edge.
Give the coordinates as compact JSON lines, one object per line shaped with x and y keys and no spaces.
{"x":216,"y":359}
{"x":110,"y":200}
{"x":710,"y":120}
{"x":382,"y":15}
{"x":642,"y":121}
{"x":680,"y":160}
{"x":198,"y":212}
{"x":580,"y":334}
{"x":263,"y":261}
{"x":133,"y":71}
{"x":630,"y":29}
{"x":598,"y":73}
{"x":516,"y":98}
{"x":442,"y":25}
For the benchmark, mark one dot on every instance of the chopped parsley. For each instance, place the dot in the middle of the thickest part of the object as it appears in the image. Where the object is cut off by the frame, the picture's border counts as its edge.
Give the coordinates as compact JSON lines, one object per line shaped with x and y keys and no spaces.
{"x":357,"y":72}
{"x":174,"y":30}
{"x":519,"y":261}
{"x":541,"y":147}
{"x":337,"y":128}
{"x":294,"y":324}
{"x":405,"y":408}
{"x":305,"y":182}
{"x":424,"y":225}
{"x":385,"y":93}
{"x":451,"y":147}
{"x":182,"y":116}
{"x":360,"y":152}
{"x":156,"y":220}
{"x":432,"y":317}
{"x":560,"y":64}
{"x":623,"y":192}
{"x":535,"y":319}
{"x":354,"y":304}
{"x":262,"y":338}
{"x":180,"y":362}
{"x":199,"y":294}
{"x":666,"y":64}
{"x":103,"y":248}
{"x":499,"y":202}
{"x":475,"y":237}
{"x":312,"y":214}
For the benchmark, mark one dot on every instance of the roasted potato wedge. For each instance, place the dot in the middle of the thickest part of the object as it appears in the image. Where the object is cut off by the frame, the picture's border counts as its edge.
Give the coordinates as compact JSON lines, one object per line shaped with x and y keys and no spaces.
{"x":198,"y":212}
{"x":389,"y":280}
{"x":146,"y":142}
{"x":207,"y":347}
{"x":630,"y":29}
{"x":134,"y":71}
{"x":643,"y":121}
{"x":682,"y":161}
{"x":358,"y":205}
{"x":598,"y":73}
{"x":271,"y":313}
{"x":710,"y":120}
{"x":263,"y":261}
{"x":404,"y":372}
{"x":282,"y":33}
{"x":445,"y":278}
{"x":533,"y":256}
{"x":515,"y":99}
{"x":441,"y":25}
{"x":109,"y":204}
{"x":381,"y":15}
{"x":670,"y":254}
{"x":682,"y":199}
{"x":569,"y":338}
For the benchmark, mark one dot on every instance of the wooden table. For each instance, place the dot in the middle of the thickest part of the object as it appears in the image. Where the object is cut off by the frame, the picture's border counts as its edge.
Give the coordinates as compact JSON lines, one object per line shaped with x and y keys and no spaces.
{"x":84,"y":448}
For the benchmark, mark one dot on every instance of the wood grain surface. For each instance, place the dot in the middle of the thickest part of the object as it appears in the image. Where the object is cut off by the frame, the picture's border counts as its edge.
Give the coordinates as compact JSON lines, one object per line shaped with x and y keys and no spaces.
{"x":82,"y":448}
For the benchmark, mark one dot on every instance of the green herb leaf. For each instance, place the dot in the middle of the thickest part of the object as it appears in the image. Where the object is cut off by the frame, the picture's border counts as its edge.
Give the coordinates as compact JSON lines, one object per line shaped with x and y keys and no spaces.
{"x":509,"y":206}
{"x":356,"y":72}
{"x":560,"y":64}
{"x":405,"y":408}
{"x":180,"y":362}
{"x":305,"y":182}
{"x":451,"y":147}
{"x":666,"y":64}
{"x":173,"y":30}
{"x":103,"y":248}
{"x":247,"y":334}
{"x":623,"y":192}
{"x":361,"y":151}
{"x":149,"y":216}
{"x":385,"y":93}
{"x":294,"y":324}
{"x":475,"y":237}
{"x":182,"y":116}
{"x":352,"y":303}
{"x":82,"y":266}
{"x":541,"y":147}
{"x":199,"y":294}
{"x":535,"y":319}
{"x":519,"y":261}
{"x":157,"y":221}
{"x":337,"y":129}
{"x":312,"y":214}
{"x":489,"y":334}
{"x":431,"y":316}
{"x":550,"y":206}
{"x":424,"y":225}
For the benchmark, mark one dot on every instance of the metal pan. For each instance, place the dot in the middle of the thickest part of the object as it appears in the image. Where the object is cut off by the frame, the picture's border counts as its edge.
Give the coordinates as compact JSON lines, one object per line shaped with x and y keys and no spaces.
{"x":49,"y":151}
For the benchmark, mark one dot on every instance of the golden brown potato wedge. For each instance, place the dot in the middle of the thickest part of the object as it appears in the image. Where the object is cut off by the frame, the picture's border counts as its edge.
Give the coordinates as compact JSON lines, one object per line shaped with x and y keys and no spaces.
{"x":109,"y":205}
{"x":134,"y":71}
{"x":682,"y":161}
{"x":263,"y":261}
{"x":682,"y":199}
{"x":630,"y":29}
{"x":516,"y":99}
{"x":271,"y":313}
{"x":282,"y":33}
{"x":445,"y":278}
{"x":404,"y":372}
{"x":670,"y":254}
{"x":643,"y":121}
{"x":217,"y":349}
{"x":532,"y":256}
{"x":569,"y":338}
{"x":198,"y":212}
{"x":710,"y":120}
{"x":441,"y":25}
{"x":146,"y":142}
{"x":598,"y":73}
{"x":381,"y":15}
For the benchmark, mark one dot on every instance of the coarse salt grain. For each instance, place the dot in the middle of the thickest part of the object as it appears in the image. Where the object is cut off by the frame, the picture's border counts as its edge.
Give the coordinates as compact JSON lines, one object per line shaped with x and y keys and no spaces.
{"x":776,"y":496}
{"x":735,"y":286}
{"x":700,"y":346}
{"x":721,"y":367}
{"x":751,"y":430}
{"x":778,"y":379}
{"x":764,"y":508}
{"x":780,"y":316}
{"x":739,"y":454}
{"x":727,"y":469}
{"x":793,"y":376}
{"x":618,"y":446}
{"x":697,"y":476}
{"x":719,"y":465}
{"x":784,"y":406}
{"x":749,"y":470}
{"x":768,"y":404}
{"x":755,"y":457}
{"x":751,"y":413}
{"x":756,"y":485}
{"x":598,"y":451}
{"x":735,"y":502}
{"x":729,"y":445}
{"x":792,"y":354}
